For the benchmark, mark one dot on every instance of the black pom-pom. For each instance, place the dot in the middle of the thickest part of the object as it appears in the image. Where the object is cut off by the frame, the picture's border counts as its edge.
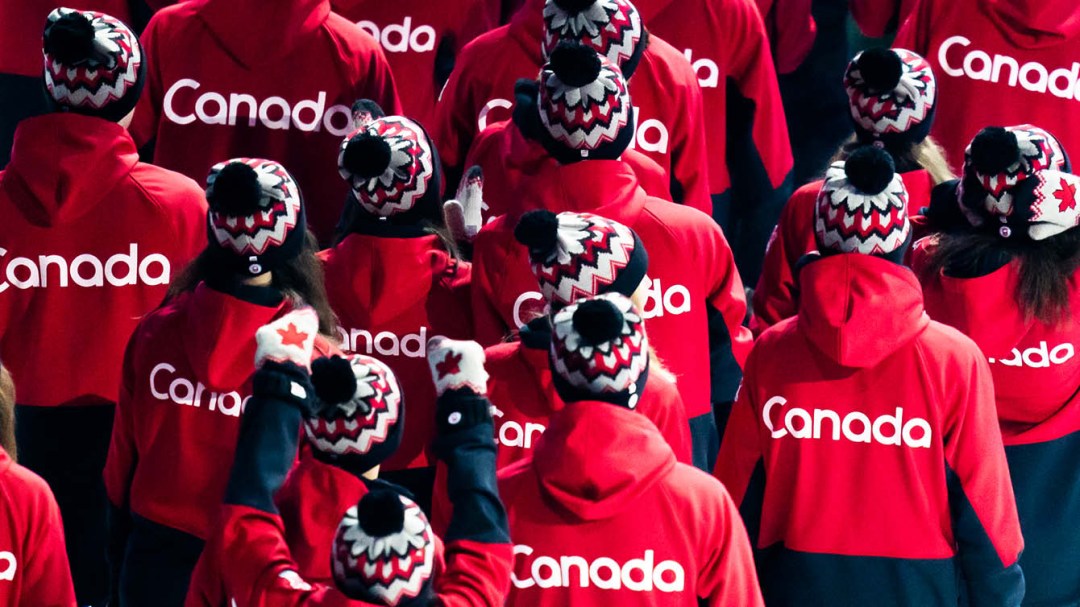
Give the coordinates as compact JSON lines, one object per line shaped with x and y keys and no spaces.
{"x":575,"y":64}
{"x":539,"y":232}
{"x":994,"y":150}
{"x":367,"y":156}
{"x":598,"y":321}
{"x":70,"y":39}
{"x":381,"y":513}
{"x":574,"y":6}
{"x":870,"y":169}
{"x":333,"y":379}
{"x":881,"y":69}
{"x":236,"y":191}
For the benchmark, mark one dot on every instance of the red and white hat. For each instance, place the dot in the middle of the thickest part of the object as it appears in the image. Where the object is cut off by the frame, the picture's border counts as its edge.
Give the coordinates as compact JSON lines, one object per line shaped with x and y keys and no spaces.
{"x":892,"y":94}
{"x":384,"y":551}
{"x":612,"y":28}
{"x":391,"y":166}
{"x":599,"y":351}
{"x":862,"y":206}
{"x":93,"y":63}
{"x":256,"y":219}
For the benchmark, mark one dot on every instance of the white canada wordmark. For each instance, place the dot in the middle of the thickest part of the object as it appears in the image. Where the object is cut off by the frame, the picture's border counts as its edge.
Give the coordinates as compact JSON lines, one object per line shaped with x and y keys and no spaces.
{"x":856,"y":426}
{"x":402,"y":37}
{"x":638,"y":575}
{"x":85,"y":270}
{"x":1063,"y":82}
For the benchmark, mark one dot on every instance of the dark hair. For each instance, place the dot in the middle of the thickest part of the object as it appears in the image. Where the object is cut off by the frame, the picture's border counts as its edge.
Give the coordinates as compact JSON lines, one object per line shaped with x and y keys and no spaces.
{"x":7,"y":413}
{"x":300,"y":279}
{"x":1045,"y":266}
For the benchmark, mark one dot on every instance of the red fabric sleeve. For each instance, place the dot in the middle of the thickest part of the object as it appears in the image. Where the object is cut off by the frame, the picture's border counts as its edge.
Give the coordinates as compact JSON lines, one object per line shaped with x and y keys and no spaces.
{"x":974,"y":452}
{"x":875,"y":16}
{"x":454,"y":127}
{"x":258,"y":568}
{"x":487,"y":323}
{"x":123,"y":454}
{"x":750,"y":66}
{"x":727,"y":294}
{"x":728,"y":576}
{"x":476,"y":575}
{"x":740,"y":447}
{"x":775,"y":295}
{"x":46,"y":575}
{"x":377,"y":84}
{"x":791,"y":29}
{"x":689,"y":155}
{"x":144,"y":124}
{"x":914,"y":34}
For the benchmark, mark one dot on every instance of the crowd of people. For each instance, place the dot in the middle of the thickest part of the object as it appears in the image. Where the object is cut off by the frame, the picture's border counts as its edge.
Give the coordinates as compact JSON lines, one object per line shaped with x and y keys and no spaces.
{"x":641,"y":365}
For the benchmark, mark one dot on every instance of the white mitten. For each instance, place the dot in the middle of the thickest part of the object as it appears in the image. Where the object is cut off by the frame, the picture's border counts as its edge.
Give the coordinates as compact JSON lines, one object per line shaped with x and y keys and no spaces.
{"x":464,"y":213}
{"x":456,"y":364}
{"x":290,"y":338}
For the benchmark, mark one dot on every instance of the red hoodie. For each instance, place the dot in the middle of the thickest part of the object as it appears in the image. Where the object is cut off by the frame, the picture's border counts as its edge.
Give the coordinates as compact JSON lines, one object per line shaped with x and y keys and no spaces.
{"x":1035,"y":371}
{"x":691,"y":269}
{"x":21,"y":24}
{"x":577,"y":509}
{"x":33,"y":562}
{"x":870,"y":463}
{"x":791,"y":30}
{"x":480,"y":92}
{"x":311,"y":503}
{"x":421,"y":39}
{"x":507,"y":157}
{"x":999,"y":62}
{"x":750,"y":159}
{"x":90,"y":239}
{"x":230,"y":78}
{"x":524,"y":397}
{"x":394,"y":290}
{"x":776,"y":296}
{"x":187,"y":376}
{"x":876,"y":17}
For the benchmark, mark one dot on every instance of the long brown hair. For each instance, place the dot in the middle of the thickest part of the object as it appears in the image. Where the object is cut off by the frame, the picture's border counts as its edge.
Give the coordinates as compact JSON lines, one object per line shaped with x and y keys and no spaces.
{"x":1046,"y":267}
{"x":927,"y":155}
{"x":300,"y":279}
{"x":7,"y":413}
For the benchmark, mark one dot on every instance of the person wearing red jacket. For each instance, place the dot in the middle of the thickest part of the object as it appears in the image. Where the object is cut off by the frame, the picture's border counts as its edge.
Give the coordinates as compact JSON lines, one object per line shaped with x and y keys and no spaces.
{"x":33,"y":563}
{"x":422,"y":40}
{"x":876,"y":18}
{"x":869,"y":468}
{"x":384,"y":551}
{"x":357,"y":429}
{"x":522,"y":390}
{"x":187,"y":374}
{"x":750,"y":161}
{"x":394,"y":278}
{"x":892,"y":95}
{"x":577,"y":505}
{"x":999,"y":62}
{"x":20,"y":59}
{"x":1009,"y":280}
{"x":694,"y":300}
{"x":668,"y":108}
{"x":89,"y":240}
{"x":248,"y":78}
{"x":791,"y":30}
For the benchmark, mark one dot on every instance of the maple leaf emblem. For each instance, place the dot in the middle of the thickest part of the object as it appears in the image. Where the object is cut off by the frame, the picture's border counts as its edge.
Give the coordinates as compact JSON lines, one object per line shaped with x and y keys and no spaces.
{"x":1066,"y":197}
{"x":291,"y":336}
{"x":450,"y":365}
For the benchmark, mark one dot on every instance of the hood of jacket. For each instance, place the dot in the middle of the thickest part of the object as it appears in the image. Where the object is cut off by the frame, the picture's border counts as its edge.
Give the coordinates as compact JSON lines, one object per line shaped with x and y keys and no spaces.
{"x":857,"y":309}
{"x":63,"y":165}
{"x":649,"y":9}
{"x":387,"y":275}
{"x":219,"y":334}
{"x":605,"y":187}
{"x":526,"y":26}
{"x":595,"y":459}
{"x":1035,"y":23}
{"x":260,"y":31}
{"x":984,"y":308}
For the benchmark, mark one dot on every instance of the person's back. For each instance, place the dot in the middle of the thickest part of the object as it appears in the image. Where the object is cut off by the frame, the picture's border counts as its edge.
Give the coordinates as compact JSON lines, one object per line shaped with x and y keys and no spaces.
{"x":1017,"y":53}
{"x":89,"y":240}
{"x":210,"y":97}
{"x":869,"y":467}
{"x":602,"y":513}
